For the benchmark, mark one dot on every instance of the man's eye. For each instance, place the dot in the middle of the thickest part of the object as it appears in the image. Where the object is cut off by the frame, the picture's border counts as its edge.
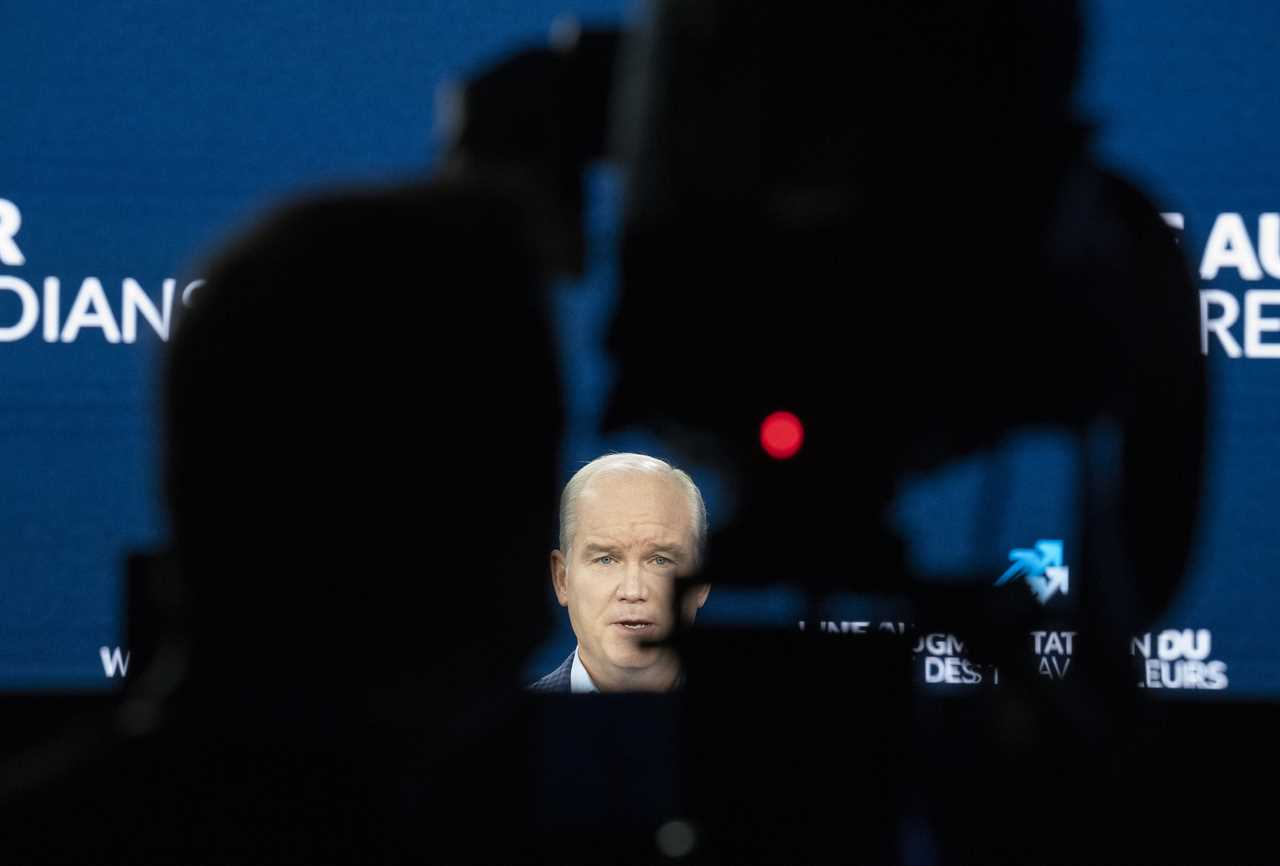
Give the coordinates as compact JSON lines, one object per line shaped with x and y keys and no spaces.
{"x":661,"y":560}
{"x":605,"y":560}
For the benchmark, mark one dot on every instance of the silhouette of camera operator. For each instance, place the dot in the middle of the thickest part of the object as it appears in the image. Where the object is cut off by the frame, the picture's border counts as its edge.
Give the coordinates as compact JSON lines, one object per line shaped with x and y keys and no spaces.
{"x":362,"y":419}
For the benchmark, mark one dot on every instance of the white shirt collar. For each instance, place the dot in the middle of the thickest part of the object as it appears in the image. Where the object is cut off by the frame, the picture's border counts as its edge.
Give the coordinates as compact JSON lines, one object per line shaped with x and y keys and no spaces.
{"x":579,"y":680}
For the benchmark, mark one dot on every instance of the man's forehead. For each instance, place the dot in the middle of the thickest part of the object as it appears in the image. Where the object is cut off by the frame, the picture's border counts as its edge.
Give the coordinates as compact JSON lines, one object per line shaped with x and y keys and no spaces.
{"x":660,"y":539}
{"x":633,"y":504}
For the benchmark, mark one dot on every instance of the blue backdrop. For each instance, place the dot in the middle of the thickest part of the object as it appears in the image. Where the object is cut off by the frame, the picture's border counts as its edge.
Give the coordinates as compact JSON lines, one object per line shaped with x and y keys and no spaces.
{"x":138,"y":134}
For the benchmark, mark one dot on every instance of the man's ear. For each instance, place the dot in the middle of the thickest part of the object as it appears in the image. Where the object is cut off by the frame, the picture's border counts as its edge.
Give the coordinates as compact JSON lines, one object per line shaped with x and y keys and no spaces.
{"x":701,"y":593}
{"x":693,"y":601}
{"x":560,"y":578}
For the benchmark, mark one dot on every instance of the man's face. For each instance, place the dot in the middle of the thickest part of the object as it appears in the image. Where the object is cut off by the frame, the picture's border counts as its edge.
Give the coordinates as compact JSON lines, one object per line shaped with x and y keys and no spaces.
{"x":634,"y":536}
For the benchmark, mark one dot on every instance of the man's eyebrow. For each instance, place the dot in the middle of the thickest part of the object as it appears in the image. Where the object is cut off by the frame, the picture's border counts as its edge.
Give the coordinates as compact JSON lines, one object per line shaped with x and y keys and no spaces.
{"x":598,"y":547}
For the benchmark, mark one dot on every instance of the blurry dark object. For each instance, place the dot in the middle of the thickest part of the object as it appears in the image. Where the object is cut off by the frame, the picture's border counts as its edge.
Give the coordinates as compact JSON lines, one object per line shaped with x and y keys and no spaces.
{"x":317,"y":676}
{"x":532,"y":122}
{"x":893,"y":227}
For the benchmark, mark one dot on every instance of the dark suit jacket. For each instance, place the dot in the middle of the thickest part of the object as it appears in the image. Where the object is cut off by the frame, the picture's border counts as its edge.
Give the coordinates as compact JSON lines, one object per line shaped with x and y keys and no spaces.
{"x":557,"y":680}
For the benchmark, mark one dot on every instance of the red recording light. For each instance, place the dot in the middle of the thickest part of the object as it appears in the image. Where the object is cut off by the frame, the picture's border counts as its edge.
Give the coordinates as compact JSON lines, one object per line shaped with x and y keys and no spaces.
{"x":781,"y":435}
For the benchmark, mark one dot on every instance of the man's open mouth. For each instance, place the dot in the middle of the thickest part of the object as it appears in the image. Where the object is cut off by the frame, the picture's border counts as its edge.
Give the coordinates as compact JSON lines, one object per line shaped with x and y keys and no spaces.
{"x":634,"y":624}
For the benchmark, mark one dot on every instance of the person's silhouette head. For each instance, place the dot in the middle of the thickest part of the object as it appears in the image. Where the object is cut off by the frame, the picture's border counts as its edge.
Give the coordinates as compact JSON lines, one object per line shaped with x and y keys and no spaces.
{"x":362,"y":418}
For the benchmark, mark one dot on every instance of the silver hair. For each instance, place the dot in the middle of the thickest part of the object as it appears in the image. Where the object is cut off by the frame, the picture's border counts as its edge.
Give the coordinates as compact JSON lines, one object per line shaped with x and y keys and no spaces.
{"x":630,"y":463}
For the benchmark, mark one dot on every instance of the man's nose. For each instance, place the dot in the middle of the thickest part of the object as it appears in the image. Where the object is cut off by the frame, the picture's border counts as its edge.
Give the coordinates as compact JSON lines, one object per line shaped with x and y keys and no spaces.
{"x":632,"y":587}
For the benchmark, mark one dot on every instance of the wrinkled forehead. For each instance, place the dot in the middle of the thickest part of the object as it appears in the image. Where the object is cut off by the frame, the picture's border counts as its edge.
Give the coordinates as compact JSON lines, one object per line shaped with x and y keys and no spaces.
{"x":635,"y":507}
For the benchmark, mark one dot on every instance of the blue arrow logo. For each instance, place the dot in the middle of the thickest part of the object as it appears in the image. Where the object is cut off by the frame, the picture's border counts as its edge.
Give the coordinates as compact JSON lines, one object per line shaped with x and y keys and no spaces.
{"x":1041,"y":567}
